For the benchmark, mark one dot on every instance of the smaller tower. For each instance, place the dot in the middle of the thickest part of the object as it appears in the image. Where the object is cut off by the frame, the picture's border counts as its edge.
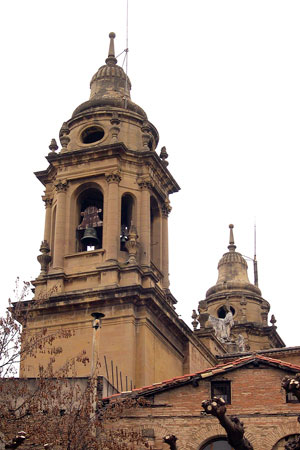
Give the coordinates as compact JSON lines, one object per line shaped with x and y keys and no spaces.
{"x":235,"y":309}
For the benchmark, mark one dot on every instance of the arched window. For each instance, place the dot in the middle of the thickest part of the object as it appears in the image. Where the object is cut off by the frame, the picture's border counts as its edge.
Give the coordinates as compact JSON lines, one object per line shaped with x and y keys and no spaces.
{"x":127,"y":207}
{"x":155,"y":232}
{"x":89,"y":224}
{"x":217,"y":444}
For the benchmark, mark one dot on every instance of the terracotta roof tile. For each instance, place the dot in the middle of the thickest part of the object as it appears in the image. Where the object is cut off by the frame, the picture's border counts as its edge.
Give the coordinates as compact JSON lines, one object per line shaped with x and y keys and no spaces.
{"x":208,"y":372}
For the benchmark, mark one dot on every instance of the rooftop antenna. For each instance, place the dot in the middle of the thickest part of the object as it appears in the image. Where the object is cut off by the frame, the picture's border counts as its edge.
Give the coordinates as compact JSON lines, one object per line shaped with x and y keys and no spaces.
{"x":254,"y":259}
{"x":126,"y":57}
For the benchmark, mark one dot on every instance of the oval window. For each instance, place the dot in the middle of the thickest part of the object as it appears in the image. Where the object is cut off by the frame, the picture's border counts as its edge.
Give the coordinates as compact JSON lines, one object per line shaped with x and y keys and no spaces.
{"x":92,"y":134}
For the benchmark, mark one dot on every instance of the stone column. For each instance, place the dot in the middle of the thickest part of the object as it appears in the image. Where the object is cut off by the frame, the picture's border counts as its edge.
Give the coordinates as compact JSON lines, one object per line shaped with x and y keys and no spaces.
{"x":112,"y":217}
{"x":60,"y":226}
{"x":48,"y":205}
{"x":166,"y":209}
{"x":145,"y":225}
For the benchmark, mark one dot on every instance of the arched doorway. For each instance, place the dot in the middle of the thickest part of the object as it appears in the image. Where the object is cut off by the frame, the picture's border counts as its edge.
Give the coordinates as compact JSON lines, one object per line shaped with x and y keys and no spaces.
{"x":217,"y":444}
{"x":280,"y":445}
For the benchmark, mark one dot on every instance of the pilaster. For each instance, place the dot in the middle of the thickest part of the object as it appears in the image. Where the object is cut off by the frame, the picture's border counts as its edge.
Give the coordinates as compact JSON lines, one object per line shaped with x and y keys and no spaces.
{"x":60,"y":225}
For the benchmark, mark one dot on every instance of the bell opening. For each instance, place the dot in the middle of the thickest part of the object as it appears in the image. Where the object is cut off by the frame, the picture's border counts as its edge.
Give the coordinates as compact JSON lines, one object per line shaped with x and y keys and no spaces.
{"x":90,"y":221}
{"x":126,"y":219}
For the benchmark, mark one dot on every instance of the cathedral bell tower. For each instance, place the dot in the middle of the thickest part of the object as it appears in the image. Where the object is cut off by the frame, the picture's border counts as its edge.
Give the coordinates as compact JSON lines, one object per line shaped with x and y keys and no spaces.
{"x":105,"y":245}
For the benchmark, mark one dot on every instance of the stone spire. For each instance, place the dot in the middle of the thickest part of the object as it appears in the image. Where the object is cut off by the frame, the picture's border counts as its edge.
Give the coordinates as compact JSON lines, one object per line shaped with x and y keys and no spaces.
{"x":111,"y":59}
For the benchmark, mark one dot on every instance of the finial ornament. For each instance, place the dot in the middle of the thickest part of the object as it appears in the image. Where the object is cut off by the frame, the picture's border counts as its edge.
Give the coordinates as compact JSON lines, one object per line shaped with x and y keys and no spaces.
{"x":111,"y":59}
{"x":231,"y":247}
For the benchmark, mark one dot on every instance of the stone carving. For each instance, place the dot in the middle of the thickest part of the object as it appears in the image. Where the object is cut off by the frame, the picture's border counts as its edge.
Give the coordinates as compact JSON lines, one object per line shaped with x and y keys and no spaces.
{"x":146,"y":136}
{"x":44,"y":259}
{"x":132,"y":245}
{"x":114,"y":133}
{"x":170,"y":439}
{"x":48,"y":202}
{"x":61,"y":186}
{"x":163,"y":156}
{"x":203,"y":314}
{"x":222,"y":327}
{"x":195,"y":321}
{"x":64,"y":136}
{"x":53,"y":146}
{"x":113,"y":177}
{"x":240,"y":342}
{"x":166,"y":208}
{"x":232,"y":425}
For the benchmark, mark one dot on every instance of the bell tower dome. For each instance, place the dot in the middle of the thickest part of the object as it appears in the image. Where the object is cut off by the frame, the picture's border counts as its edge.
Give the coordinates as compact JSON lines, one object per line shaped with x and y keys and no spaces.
{"x":105,"y":244}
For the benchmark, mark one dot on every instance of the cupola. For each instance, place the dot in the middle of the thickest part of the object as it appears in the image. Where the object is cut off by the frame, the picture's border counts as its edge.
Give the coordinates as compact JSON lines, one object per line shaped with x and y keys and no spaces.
{"x":233,"y":271}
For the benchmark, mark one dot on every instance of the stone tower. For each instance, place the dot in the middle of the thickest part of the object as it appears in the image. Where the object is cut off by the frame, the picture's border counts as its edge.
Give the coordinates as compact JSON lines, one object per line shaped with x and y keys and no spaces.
{"x":105,"y":246}
{"x":234,"y":311}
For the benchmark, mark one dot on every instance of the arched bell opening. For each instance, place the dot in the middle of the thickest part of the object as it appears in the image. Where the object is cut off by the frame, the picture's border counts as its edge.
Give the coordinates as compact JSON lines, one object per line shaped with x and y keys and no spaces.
{"x":155,"y":236}
{"x":89,"y":230}
{"x":127,"y":218}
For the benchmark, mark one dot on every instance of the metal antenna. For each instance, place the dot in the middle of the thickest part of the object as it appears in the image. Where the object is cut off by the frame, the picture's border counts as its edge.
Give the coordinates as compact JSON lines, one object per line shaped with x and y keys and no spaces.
{"x":126,"y":56}
{"x":254,"y":259}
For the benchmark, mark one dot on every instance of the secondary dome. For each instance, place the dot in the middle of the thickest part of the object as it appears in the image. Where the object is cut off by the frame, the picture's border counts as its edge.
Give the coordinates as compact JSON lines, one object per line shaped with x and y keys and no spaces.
{"x":233,"y":271}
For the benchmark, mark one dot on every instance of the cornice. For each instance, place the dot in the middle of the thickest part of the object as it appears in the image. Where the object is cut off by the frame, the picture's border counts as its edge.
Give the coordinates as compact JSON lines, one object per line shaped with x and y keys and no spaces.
{"x":162,"y":180}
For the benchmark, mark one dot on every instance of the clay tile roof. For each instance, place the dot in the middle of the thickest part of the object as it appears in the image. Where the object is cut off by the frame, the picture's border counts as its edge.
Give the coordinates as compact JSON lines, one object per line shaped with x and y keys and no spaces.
{"x":208,"y":372}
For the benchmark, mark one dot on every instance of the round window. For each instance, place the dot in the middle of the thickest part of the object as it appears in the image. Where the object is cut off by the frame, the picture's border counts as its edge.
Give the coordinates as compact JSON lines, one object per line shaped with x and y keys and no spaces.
{"x":91,"y":135}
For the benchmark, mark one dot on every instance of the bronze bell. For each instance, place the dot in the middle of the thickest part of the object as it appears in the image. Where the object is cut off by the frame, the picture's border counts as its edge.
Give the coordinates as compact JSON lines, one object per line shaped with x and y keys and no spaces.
{"x":90,"y":237}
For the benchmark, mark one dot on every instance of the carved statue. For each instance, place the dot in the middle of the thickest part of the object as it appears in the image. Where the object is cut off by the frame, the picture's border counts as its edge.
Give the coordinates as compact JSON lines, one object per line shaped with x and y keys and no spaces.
{"x":222,"y":327}
{"x":170,"y":439}
{"x":232,"y":425}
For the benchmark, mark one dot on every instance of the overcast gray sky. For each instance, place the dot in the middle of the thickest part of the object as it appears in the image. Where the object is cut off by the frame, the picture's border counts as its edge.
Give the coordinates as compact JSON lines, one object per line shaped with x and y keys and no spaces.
{"x":220,"y":81}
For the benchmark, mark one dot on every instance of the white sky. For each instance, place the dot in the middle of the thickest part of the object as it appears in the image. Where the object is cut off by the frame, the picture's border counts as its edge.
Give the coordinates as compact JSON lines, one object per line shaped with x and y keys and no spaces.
{"x":220,"y":81}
